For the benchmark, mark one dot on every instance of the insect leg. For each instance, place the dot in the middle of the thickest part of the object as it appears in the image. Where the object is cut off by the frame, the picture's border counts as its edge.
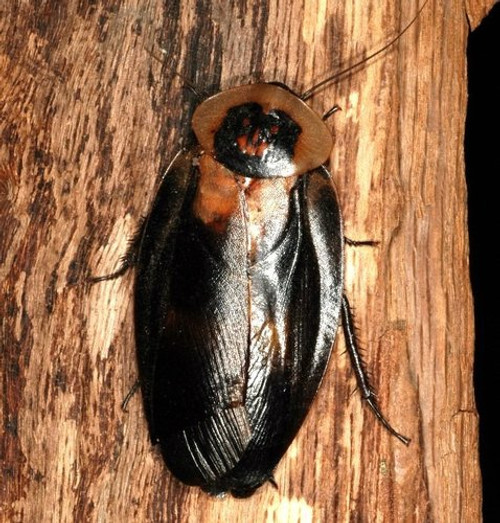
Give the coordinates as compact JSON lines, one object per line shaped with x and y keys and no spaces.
{"x":130,"y":394}
{"x":127,"y":261}
{"x":360,"y":243}
{"x":334,"y":109}
{"x":359,"y":369}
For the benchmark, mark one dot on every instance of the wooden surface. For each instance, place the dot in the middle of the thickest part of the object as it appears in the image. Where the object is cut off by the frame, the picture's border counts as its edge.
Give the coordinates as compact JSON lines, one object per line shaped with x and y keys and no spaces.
{"x":89,"y":119}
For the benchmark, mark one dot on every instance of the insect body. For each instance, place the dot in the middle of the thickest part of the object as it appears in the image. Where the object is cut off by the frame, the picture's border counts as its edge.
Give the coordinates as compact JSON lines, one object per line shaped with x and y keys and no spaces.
{"x":239,"y":289}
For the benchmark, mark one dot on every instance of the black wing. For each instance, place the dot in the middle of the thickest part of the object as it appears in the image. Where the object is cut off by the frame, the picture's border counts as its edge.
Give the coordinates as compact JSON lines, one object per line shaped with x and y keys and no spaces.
{"x":232,"y":348}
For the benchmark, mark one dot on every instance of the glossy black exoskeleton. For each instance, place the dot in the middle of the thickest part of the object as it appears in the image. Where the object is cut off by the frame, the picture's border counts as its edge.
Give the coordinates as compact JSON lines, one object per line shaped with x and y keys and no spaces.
{"x":239,"y":288}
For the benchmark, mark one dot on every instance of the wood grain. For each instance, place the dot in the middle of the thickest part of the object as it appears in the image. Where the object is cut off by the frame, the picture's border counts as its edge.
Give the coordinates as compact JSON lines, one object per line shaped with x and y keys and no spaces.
{"x":89,"y":120}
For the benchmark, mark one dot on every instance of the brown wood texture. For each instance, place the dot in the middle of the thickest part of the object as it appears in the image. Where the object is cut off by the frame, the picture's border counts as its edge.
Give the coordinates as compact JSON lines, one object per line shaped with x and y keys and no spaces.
{"x":89,"y":120}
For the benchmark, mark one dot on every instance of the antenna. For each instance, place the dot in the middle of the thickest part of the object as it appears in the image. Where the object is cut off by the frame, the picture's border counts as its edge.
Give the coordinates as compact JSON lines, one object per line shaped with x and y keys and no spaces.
{"x":307,"y":94}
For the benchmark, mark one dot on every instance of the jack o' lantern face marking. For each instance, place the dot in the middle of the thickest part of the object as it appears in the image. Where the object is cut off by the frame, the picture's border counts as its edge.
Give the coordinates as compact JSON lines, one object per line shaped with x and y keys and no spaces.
{"x":254,"y":142}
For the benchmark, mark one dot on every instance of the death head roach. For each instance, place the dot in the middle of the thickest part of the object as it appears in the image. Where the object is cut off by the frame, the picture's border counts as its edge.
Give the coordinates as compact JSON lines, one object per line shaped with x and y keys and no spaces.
{"x":239,"y":288}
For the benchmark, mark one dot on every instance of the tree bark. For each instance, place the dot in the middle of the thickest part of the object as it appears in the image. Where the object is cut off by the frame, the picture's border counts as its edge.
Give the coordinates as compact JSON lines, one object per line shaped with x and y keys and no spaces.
{"x":90,"y":118}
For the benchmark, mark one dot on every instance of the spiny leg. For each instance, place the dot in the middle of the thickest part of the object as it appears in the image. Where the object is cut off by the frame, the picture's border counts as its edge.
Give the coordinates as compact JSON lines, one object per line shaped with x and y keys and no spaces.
{"x":359,"y":369}
{"x":135,"y":387}
{"x":360,"y":243}
{"x":127,"y":261}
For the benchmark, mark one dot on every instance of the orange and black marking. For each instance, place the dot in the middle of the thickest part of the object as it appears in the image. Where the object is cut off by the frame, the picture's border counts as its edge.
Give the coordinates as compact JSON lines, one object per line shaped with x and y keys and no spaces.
{"x":252,"y":141}
{"x":262,"y":131}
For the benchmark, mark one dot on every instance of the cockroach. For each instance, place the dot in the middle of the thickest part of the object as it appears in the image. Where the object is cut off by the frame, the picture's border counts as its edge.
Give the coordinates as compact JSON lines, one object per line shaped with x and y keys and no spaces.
{"x":239,"y":288}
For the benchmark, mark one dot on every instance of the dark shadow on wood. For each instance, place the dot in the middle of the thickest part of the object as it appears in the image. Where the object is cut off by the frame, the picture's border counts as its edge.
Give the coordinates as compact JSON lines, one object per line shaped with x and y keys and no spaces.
{"x":482,"y":171}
